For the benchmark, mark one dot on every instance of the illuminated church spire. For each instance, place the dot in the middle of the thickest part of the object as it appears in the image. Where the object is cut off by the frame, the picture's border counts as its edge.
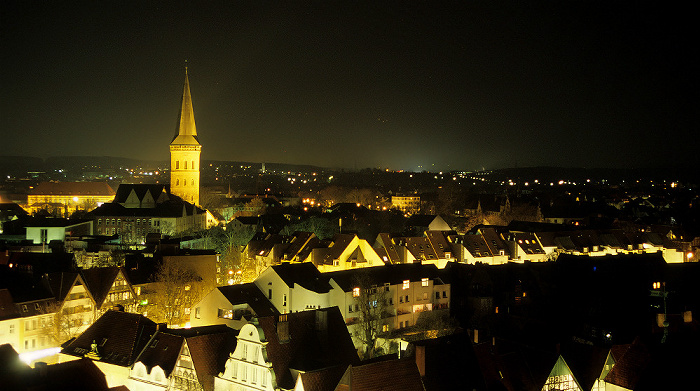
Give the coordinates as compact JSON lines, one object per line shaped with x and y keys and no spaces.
{"x":185,"y":151}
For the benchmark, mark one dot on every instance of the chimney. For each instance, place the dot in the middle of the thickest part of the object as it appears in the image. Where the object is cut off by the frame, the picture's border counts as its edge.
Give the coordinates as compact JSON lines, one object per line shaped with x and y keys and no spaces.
{"x":420,"y":359}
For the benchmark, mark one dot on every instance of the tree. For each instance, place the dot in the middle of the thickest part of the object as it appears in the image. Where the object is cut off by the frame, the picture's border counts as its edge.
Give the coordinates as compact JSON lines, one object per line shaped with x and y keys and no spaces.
{"x":373,"y":310}
{"x":230,"y":243}
{"x":177,"y":289}
{"x":435,"y":323}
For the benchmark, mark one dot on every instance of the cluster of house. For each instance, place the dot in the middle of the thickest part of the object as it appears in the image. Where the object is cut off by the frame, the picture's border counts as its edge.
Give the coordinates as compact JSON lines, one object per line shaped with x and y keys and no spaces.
{"x":493,"y":245}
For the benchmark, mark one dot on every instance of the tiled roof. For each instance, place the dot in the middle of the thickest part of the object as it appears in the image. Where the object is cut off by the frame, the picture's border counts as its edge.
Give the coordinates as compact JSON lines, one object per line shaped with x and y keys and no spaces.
{"x":324,"y":379}
{"x":340,"y":243}
{"x":309,"y":347}
{"x":629,"y":368}
{"x":209,"y":353}
{"x":120,"y":337}
{"x":420,"y":248}
{"x":403,"y":376}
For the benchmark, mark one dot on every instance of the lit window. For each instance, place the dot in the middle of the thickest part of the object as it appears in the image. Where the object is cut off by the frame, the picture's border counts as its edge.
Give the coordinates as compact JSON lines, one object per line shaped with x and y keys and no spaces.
{"x":406,"y":284}
{"x":424,"y":281}
{"x":356,"y":292}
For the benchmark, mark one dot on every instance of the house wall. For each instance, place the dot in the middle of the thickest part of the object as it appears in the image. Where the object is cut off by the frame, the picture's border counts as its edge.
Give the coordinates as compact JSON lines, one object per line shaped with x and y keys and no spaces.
{"x":206,"y":312}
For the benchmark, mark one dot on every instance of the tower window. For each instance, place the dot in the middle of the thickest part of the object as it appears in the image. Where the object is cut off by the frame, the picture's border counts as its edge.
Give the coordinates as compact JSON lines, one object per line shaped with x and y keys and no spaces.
{"x":178,"y":182}
{"x":177,"y":165}
{"x":193,"y":164}
{"x":185,"y":164}
{"x":192,"y":182}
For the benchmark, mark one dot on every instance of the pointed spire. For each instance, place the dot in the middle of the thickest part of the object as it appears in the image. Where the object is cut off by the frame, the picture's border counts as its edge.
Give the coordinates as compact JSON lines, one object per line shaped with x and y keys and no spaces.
{"x":187,"y":130}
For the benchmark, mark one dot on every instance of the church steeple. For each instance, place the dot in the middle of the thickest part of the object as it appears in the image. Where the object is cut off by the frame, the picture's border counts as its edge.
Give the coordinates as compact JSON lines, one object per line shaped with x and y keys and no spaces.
{"x":186,"y":132}
{"x":185,"y":151}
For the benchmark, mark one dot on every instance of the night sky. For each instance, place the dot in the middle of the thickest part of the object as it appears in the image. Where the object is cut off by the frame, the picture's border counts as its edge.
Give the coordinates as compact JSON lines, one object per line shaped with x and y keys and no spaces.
{"x":414,"y":85}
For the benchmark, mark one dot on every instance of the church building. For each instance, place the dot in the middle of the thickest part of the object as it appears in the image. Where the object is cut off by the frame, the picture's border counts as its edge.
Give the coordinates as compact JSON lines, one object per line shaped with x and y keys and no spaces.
{"x":185,"y":151}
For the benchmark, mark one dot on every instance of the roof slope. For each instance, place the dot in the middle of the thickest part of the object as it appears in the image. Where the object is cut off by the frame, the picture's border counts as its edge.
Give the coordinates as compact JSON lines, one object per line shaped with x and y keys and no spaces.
{"x":120,"y":337}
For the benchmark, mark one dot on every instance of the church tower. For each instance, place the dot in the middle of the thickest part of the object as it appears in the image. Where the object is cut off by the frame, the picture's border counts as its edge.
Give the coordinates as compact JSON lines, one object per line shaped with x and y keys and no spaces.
{"x":184,"y":152}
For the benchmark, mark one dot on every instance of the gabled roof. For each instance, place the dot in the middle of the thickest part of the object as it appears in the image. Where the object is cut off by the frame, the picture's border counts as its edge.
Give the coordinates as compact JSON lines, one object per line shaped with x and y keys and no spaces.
{"x":375,"y":376}
{"x":140,"y":189}
{"x":304,"y":274}
{"x":120,"y":337}
{"x":61,"y":283}
{"x":585,"y":362}
{"x":629,"y":368}
{"x":340,"y":243}
{"x":389,"y":247}
{"x":420,"y":248}
{"x":8,"y":310}
{"x":99,"y":281}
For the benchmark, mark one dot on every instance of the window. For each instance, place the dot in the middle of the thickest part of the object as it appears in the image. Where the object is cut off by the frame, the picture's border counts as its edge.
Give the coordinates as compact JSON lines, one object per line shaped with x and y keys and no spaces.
{"x":444,"y":294}
{"x":350,"y":308}
{"x":197,"y":313}
{"x":284,"y":300}
{"x":177,"y":165}
{"x":406,"y":298}
{"x":356,"y":292}
{"x":269,"y":294}
{"x":185,"y":164}
{"x":193,"y":164}
{"x":424,"y":282}
{"x":425,"y":295}
{"x":437,"y":295}
{"x":406,"y":284}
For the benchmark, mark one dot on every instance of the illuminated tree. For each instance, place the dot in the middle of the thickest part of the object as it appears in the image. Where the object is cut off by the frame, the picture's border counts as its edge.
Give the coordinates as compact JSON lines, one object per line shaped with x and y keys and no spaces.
{"x":177,"y":289}
{"x":372,"y":305}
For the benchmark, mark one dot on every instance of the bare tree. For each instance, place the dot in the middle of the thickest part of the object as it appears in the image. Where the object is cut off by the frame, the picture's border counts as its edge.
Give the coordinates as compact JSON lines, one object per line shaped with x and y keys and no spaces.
{"x":177,"y":289}
{"x":373,"y":311}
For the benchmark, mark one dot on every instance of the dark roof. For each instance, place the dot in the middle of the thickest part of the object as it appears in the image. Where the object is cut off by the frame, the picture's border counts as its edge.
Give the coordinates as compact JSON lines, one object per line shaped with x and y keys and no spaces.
{"x":340,"y":243}
{"x":210,"y":351}
{"x":174,"y":207}
{"x":120,"y":337}
{"x":310,"y":346}
{"x":251,"y":295}
{"x":585,"y":361}
{"x":162,"y":350}
{"x":99,"y":281}
{"x":61,"y":283}
{"x":420,"y":220}
{"x":73,"y":188}
{"x":391,"y":274}
{"x":399,"y":375}
{"x":324,"y":379}
{"x":304,"y":274}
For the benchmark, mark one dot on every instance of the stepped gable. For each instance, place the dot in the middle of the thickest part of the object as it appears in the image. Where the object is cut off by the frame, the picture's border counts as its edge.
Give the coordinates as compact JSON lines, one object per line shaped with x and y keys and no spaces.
{"x":120,"y":337}
{"x":140,"y":190}
{"x":312,"y":342}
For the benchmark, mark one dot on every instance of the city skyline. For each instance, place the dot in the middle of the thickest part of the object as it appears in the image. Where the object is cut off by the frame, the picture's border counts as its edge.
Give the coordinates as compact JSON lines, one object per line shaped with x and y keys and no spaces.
{"x":411,"y":86}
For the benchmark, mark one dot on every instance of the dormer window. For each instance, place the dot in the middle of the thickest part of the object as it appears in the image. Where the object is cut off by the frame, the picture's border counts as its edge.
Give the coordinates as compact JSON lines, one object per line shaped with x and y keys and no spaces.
{"x":406,"y":284}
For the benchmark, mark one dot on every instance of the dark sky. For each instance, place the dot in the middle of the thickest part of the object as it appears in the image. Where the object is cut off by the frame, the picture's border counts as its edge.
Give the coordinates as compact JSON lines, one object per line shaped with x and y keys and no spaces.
{"x":403,"y":85}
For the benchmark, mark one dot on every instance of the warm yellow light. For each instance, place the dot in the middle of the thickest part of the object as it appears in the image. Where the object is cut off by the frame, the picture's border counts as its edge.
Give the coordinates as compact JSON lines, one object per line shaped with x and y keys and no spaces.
{"x":689,"y":255}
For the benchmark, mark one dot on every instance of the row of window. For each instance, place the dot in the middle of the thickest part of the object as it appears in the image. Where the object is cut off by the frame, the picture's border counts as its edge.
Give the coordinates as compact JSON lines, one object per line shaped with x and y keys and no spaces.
{"x":250,"y":374}
{"x":184,"y":182}
{"x":184,"y":165}
{"x":144,"y":222}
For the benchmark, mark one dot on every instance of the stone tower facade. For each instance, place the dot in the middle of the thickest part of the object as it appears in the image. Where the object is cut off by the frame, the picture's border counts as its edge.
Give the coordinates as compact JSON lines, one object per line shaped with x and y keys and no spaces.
{"x":185,"y":151}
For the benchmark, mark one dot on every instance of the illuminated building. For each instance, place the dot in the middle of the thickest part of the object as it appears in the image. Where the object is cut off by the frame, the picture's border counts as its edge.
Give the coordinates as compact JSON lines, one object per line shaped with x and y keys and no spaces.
{"x":406,"y":204}
{"x":67,"y":197}
{"x":185,"y":151}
